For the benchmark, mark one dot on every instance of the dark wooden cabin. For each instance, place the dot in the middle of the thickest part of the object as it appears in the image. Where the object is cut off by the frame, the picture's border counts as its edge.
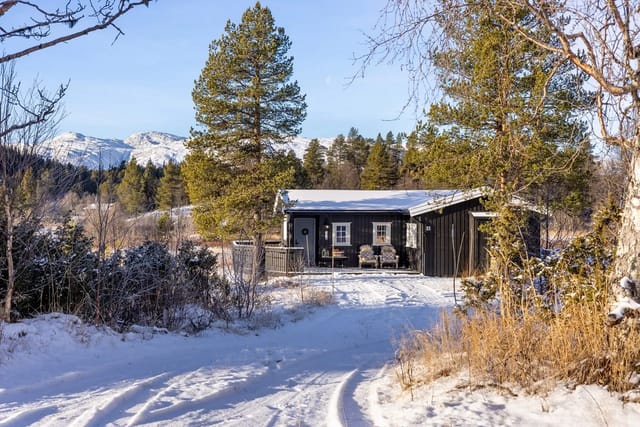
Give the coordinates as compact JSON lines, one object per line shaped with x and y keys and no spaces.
{"x":434,"y":232}
{"x":449,"y":241}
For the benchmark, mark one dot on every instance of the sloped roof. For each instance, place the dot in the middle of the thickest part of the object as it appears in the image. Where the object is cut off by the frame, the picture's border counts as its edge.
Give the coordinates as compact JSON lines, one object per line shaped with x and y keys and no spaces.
{"x":455,"y":197}
{"x":413,"y":202}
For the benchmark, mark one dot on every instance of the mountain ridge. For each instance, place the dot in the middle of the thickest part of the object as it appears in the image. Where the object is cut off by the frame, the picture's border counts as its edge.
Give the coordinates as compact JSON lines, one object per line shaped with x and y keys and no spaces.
{"x":154,"y":146}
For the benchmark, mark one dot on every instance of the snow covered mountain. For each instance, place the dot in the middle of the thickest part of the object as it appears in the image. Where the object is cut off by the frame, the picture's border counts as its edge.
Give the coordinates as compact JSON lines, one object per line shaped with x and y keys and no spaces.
{"x":299,"y":144}
{"x":89,"y":151}
{"x":158,"y":147}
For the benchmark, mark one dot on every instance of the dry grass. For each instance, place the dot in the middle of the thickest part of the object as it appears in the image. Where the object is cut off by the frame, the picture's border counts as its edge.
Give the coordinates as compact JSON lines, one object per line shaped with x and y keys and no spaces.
{"x":309,"y":295}
{"x":532,"y":351}
{"x":425,"y":356}
{"x":318,"y":297}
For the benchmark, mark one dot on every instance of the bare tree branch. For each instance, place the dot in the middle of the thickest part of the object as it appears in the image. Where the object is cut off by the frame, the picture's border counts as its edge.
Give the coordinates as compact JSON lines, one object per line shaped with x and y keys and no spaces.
{"x":42,"y":21}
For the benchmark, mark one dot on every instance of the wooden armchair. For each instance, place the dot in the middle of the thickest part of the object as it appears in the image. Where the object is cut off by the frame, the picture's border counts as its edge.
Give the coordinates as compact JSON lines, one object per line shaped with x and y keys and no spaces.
{"x":388,"y":256}
{"x":367,"y":257}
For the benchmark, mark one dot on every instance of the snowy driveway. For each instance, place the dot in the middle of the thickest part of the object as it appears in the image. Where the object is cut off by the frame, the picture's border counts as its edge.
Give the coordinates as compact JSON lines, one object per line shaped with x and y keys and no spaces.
{"x":320,"y":370}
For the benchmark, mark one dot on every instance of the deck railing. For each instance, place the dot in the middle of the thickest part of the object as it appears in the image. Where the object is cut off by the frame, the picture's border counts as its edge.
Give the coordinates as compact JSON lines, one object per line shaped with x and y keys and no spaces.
{"x":283,"y":260}
{"x":277,"y":260}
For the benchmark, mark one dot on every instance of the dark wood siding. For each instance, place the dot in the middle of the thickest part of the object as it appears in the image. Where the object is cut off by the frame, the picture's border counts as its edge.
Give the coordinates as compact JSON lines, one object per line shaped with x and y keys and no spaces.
{"x":415,"y":255}
{"x":438,"y":257}
{"x":361,"y":232}
{"x":436,"y":251}
{"x":478,"y":255}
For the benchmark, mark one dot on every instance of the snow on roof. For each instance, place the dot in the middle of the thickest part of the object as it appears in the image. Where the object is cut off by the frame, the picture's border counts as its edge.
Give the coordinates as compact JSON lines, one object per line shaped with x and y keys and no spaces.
{"x":366,"y":200}
{"x":454,"y":197}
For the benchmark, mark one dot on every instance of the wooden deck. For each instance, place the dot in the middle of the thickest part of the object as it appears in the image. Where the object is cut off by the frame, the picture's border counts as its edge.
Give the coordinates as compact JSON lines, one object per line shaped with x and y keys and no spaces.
{"x":356,"y":270}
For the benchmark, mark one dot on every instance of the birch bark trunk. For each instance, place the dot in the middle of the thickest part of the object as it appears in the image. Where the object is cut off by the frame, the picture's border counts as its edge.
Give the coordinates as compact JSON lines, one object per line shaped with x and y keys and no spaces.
{"x":627,"y":260}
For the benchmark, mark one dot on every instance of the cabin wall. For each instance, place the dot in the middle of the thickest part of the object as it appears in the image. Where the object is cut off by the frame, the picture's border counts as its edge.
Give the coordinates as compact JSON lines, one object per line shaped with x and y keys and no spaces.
{"x":435,"y":254}
{"x":361,"y":233}
{"x":439,"y":251}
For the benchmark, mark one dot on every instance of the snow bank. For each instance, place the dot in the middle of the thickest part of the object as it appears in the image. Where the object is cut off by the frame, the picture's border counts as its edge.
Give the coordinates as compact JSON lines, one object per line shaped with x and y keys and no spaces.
{"x":319,"y":365}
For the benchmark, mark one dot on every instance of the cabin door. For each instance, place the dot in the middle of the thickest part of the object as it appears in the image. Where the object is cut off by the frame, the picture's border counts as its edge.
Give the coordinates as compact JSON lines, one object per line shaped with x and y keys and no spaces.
{"x":304,"y":236}
{"x":479,"y":259}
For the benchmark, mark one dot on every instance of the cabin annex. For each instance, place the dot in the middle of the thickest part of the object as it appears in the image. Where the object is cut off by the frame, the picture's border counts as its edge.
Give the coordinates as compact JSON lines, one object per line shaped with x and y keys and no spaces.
{"x":431,"y":230}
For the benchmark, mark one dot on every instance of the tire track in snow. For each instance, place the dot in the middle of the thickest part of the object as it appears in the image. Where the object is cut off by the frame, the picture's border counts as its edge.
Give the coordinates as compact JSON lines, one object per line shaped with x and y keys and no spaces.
{"x":188,"y":395}
{"x":336,"y":414}
{"x":28,"y":416}
{"x":373,"y":399}
{"x":343,"y":408}
{"x":324,"y":370}
{"x":397,"y":297}
{"x":116,"y":404}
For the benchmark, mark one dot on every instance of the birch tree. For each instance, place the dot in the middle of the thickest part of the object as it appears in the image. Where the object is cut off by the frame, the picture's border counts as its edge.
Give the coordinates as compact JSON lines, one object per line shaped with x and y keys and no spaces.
{"x":600,"y":38}
{"x":27,"y":26}
{"x":26,"y":120}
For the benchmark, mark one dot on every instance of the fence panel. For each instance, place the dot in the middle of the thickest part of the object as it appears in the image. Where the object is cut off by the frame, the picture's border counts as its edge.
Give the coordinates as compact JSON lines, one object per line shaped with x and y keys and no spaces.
{"x":283,"y":260}
{"x":278,"y":260}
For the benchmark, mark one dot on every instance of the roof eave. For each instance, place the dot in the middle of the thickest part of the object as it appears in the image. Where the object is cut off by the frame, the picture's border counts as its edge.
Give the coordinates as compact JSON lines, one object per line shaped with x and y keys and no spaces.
{"x":434,"y":205}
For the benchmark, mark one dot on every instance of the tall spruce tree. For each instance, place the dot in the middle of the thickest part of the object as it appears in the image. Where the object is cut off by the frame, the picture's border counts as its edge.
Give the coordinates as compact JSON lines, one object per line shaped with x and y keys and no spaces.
{"x":150,"y":182}
{"x":314,"y":163}
{"x":246,"y":106}
{"x":340,"y":172}
{"x":171,"y":192}
{"x":131,"y":190}
{"x":357,"y":150}
{"x":380,"y":172}
{"x":395,"y":147}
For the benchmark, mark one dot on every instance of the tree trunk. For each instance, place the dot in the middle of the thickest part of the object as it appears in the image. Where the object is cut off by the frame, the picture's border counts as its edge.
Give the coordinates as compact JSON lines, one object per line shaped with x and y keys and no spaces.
{"x":258,"y":258}
{"x":627,"y":260}
{"x":11,"y":273}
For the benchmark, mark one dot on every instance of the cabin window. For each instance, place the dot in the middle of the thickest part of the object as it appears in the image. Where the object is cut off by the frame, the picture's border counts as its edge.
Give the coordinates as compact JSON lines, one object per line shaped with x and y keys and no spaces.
{"x":341,"y":234}
{"x":381,"y":233}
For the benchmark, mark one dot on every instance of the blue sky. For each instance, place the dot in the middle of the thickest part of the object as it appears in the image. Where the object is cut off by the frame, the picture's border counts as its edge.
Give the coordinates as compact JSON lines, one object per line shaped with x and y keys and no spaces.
{"x":143,"y":81}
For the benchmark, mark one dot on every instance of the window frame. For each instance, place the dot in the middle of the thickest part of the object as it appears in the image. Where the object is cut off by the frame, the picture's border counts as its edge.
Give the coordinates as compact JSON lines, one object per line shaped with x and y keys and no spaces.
{"x":334,"y":233}
{"x":387,"y":227}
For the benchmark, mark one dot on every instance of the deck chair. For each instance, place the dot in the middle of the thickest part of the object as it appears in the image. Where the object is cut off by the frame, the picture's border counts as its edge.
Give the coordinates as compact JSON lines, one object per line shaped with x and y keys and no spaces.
{"x":388,"y":256}
{"x":367,"y":257}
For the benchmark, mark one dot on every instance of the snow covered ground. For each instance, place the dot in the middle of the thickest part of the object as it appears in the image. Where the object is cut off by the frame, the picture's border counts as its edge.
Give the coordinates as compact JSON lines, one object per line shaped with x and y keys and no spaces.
{"x":329,"y":365}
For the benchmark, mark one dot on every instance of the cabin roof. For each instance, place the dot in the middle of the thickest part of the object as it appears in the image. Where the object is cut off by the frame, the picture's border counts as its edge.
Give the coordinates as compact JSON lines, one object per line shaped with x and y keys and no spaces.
{"x":413,"y":202}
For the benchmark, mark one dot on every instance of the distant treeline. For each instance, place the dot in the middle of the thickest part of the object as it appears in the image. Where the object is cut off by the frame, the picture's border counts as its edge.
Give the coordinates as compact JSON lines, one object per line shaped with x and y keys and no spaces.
{"x":351,"y":162}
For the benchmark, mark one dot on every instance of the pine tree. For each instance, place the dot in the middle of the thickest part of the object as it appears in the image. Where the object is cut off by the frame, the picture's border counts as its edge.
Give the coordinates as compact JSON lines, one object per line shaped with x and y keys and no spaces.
{"x":508,"y":119}
{"x":380,"y":172}
{"x":314,"y":163}
{"x":28,"y":189}
{"x":171,"y":191}
{"x":289,"y":161}
{"x":395,"y":147}
{"x":246,"y":106}
{"x":357,"y":150}
{"x":340,"y":172}
{"x":131,"y":190}
{"x":509,"y":114}
{"x":150,"y":184}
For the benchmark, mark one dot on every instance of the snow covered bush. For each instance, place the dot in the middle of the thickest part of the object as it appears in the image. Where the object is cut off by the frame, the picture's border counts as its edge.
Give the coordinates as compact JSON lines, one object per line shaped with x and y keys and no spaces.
{"x":196,"y":269}
{"x":54,"y":268}
{"x":581,"y":272}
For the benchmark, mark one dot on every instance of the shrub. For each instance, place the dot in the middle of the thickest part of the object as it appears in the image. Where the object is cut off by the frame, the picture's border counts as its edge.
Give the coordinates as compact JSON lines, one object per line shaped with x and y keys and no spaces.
{"x":538,"y":334}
